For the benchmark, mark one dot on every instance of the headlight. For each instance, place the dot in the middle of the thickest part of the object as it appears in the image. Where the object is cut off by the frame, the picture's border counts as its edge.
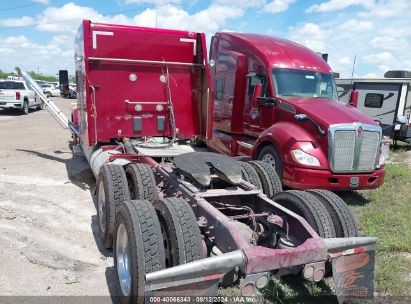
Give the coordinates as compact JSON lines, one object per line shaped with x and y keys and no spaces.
{"x":385,"y":153}
{"x":304,"y":158}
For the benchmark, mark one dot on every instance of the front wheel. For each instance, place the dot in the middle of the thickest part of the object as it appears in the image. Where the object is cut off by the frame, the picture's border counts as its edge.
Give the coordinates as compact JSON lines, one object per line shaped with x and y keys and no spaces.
{"x":269,"y":155}
{"x":48,"y":94}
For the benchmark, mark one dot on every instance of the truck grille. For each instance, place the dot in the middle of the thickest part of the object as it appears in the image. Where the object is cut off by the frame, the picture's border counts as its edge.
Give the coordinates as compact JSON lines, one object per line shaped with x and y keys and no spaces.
{"x":353,"y":147}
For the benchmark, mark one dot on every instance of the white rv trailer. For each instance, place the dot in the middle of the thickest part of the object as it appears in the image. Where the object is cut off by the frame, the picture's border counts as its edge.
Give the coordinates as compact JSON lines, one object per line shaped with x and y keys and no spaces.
{"x":384,"y":99}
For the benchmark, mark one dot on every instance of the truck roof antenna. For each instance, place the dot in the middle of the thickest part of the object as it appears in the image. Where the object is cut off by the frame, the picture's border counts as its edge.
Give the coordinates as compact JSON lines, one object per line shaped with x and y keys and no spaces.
{"x":353,"y":67}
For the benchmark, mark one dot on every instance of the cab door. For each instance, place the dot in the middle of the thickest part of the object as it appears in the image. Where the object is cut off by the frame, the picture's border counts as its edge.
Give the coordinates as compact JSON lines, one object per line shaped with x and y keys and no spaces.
{"x":252,"y":116}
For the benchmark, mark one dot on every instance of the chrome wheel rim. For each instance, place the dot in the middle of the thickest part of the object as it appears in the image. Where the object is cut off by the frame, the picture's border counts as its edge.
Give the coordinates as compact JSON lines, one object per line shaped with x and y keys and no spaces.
{"x":101,"y":201}
{"x":26,"y":108}
{"x":269,"y":159}
{"x":123,"y":260}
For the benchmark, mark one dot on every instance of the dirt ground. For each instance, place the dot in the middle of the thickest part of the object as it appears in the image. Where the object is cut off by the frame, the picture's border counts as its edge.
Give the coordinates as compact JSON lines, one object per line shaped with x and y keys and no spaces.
{"x":48,"y":225}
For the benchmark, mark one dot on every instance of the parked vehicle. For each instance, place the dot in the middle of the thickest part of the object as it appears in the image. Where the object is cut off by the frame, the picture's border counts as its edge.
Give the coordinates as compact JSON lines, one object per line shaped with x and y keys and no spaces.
{"x":53,"y":83}
{"x":16,"y":94}
{"x":195,"y":219}
{"x":50,"y":90}
{"x":40,"y":82}
{"x":276,"y":101}
{"x":14,"y":78}
{"x":387,"y":100}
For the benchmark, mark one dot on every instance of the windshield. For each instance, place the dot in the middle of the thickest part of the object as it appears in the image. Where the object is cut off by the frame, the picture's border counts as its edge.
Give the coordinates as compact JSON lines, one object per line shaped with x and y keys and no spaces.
{"x":11,"y":85}
{"x":297,"y":83}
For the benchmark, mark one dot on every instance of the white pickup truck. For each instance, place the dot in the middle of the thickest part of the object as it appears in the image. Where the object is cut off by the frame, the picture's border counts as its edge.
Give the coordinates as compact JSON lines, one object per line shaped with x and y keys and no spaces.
{"x":15,"y":94}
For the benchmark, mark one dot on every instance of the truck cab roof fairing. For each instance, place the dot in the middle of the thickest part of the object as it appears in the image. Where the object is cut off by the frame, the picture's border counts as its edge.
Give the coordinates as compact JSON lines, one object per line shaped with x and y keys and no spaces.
{"x":279,"y":52}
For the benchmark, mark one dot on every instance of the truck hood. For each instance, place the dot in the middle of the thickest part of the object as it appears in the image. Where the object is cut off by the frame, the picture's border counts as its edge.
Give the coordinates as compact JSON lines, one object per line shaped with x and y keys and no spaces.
{"x":327,"y":112}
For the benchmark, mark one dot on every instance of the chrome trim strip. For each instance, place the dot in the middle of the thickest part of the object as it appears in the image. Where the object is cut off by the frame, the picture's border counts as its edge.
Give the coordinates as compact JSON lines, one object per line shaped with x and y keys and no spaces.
{"x":146,"y":61}
{"x":245,"y":145}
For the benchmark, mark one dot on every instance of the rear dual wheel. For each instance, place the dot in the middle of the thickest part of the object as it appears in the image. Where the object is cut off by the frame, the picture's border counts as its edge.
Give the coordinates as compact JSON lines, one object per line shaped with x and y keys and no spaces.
{"x":111,"y":191}
{"x":141,"y":182}
{"x":341,"y":216}
{"x":115,"y":185}
{"x":270,"y":182}
{"x":151,"y":237}
{"x":138,"y":248}
{"x":310,"y":208}
{"x":181,"y":234}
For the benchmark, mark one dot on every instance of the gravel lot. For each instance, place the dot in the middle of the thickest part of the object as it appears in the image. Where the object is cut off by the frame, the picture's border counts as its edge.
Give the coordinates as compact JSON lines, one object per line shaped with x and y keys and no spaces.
{"x":48,"y":224}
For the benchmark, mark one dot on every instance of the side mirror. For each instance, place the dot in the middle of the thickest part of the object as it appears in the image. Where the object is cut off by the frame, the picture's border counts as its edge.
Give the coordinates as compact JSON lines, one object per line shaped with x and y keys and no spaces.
{"x":354,"y":98}
{"x":401,"y":119}
{"x":257,"y":93}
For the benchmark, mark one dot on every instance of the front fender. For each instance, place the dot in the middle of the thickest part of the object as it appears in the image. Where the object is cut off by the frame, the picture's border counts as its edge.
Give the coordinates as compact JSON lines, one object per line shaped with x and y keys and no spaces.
{"x":287,"y":136}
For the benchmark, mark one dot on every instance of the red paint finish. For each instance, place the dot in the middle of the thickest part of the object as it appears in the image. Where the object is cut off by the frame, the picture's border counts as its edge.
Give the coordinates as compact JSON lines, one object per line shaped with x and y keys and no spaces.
{"x":302,"y":178}
{"x":260,"y":259}
{"x":115,"y":94}
{"x":241,"y":61}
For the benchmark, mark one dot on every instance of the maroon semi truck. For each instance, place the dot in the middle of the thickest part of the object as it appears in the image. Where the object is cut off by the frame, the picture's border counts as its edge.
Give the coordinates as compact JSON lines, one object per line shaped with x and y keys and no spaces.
{"x":276,"y":101}
{"x":183,"y":222}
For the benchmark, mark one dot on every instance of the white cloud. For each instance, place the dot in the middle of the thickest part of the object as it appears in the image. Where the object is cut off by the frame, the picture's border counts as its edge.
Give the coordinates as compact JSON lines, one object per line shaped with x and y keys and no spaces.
{"x":388,"y":8}
{"x":369,"y":75}
{"x":154,"y":2}
{"x":345,"y":60}
{"x":27,"y":54}
{"x":354,"y":25}
{"x":310,"y":35}
{"x":391,"y":43}
{"x":333,"y":5}
{"x":277,"y":6}
{"x":17,"y":22}
{"x":42,"y":1}
{"x":384,"y":61}
{"x":241,"y":3}
{"x":379,"y":57}
{"x":50,"y":20}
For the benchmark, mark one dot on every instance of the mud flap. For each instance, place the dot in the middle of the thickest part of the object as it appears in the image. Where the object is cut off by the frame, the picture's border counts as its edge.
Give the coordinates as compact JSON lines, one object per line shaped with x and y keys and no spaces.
{"x":353,"y":274}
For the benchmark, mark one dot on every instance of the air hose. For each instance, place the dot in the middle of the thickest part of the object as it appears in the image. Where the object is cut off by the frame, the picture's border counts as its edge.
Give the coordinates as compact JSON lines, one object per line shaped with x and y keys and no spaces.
{"x":170,"y":108}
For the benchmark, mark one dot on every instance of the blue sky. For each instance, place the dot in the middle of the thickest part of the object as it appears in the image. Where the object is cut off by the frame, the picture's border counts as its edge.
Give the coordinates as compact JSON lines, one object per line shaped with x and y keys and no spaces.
{"x":39,"y":34}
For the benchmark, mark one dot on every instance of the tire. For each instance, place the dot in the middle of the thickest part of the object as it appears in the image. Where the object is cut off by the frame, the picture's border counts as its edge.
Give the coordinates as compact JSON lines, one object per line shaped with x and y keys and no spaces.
{"x":270,"y":182}
{"x":141,"y":182}
{"x":343,"y":219}
{"x":250,"y":175}
{"x":181,"y":234}
{"x":138,"y":248}
{"x":111,"y":191}
{"x":25,"y":108}
{"x":308,"y":206}
{"x":270,"y":155}
{"x":48,"y":94}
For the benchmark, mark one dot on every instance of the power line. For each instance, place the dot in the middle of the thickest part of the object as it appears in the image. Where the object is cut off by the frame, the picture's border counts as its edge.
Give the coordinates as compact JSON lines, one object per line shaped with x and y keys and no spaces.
{"x":60,"y":21}
{"x":20,"y":6}
{"x":17,"y":7}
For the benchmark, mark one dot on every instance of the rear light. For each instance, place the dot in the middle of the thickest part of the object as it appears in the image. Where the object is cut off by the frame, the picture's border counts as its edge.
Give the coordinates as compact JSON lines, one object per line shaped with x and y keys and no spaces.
{"x":17,"y":95}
